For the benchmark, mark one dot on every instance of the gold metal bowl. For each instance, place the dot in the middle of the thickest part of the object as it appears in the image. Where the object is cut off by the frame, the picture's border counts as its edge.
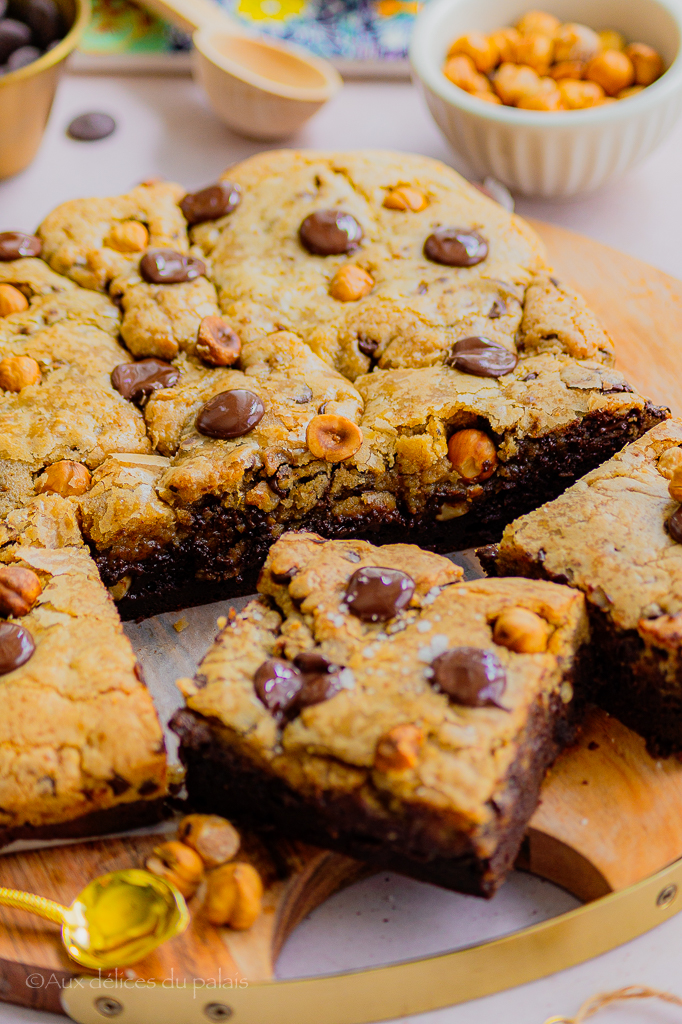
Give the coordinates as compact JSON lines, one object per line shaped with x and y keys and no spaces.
{"x":26,"y":95}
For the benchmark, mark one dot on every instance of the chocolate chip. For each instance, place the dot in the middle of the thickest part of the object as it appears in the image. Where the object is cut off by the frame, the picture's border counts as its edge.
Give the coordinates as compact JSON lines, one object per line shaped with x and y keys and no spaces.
{"x":555,"y":282}
{"x":91,"y":127}
{"x":529,"y":376}
{"x":165,"y":266}
{"x":43,"y":18}
{"x":230,"y":414}
{"x":456,"y":247}
{"x":330,"y":233}
{"x":136,"y":381}
{"x":313,"y":661}
{"x":317,"y":688}
{"x":481,"y":357}
{"x":304,"y":396}
{"x":498,"y":309}
{"x":15,"y":244}
{"x":375,"y":594}
{"x":23,"y":56}
{"x":148,"y":787}
{"x":119,"y":785}
{"x":277,"y":684}
{"x":470,"y":676}
{"x":675,"y":525}
{"x":211,"y":203}
{"x":217,"y":343}
{"x":367,"y":346}
{"x":13,"y":34}
{"x":616,"y":389}
{"x":16,"y":646}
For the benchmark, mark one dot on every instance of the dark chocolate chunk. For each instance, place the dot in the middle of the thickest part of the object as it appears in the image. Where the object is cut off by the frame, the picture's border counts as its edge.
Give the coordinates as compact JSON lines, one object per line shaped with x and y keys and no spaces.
{"x":23,"y":56}
{"x":470,"y":676}
{"x":529,"y":376}
{"x":211,"y":203}
{"x":136,"y":381}
{"x":367,"y":346}
{"x":15,"y":244}
{"x":375,"y":594}
{"x":278,"y":684}
{"x":91,"y":127}
{"x":165,"y":266}
{"x":317,"y":688}
{"x":148,"y":787}
{"x":330,"y":233}
{"x":43,"y":18}
{"x":498,"y":309}
{"x":456,"y":247}
{"x":119,"y":785}
{"x":675,"y":525}
{"x":13,"y":34}
{"x":16,"y":646}
{"x":481,"y":357}
{"x":313,"y":661}
{"x":230,"y":414}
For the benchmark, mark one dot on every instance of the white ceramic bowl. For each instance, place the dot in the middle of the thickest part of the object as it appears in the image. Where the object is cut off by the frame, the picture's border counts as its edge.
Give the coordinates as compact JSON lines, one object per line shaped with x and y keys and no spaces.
{"x":563,"y":153}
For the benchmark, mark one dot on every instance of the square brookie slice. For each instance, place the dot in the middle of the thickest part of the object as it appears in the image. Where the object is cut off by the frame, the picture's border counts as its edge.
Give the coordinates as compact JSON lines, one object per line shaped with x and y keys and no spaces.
{"x":614,"y":536}
{"x":370,"y":702}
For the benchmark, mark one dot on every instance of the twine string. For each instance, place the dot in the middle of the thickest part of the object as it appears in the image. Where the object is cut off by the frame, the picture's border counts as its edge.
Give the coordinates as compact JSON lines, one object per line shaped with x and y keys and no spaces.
{"x":604,"y":999}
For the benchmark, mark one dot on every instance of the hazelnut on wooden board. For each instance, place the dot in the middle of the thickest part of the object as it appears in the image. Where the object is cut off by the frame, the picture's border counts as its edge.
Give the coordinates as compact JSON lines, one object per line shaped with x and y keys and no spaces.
{"x":647,"y":63}
{"x":17,"y":372}
{"x":472,"y":454}
{"x":178,"y":864}
{"x":19,"y":590}
{"x":538,"y":21}
{"x":214,"y":838}
{"x":522,"y":631}
{"x":217,"y":343}
{"x":612,"y":70}
{"x":350,"y":283}
{"x":128,"y":236}
{"x":333,"y":438}
{"x":404,"y":197}
{"x":66,"y":478}
{"x":675,"y":485}
{"x":234,"y":895}
{"x":11,"y":300}
{"x":479,"y":47}
{"x":399,"y":748}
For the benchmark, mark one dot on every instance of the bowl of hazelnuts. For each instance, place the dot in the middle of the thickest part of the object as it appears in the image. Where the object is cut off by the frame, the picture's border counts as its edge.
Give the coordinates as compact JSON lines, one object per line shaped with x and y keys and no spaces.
{"x":553,"y":102}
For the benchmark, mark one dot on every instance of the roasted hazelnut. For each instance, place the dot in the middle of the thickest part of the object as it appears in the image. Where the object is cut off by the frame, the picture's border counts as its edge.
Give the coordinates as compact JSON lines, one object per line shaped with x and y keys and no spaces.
{"x":675,"y":486}
{"x":462,"y":72}
{"x":522,"y":631}
{"x":480,"y":48}
{"x":506,"y":40}
{"x":399,"y":748}
{"x":472,"y":454}
{"x":647,"y":63}
{"x":217,"y":343}
{"x":19,"y":590}
{"x":611,"y":40}
{"x":17,"y":372}
{"x":215,"y":839}
{"x":575,"y":42}
{"x":128,"y":236}
{"x":568,"y":69}
{"x":179,"y":865}
{"x":578,"y":95}
{"x":536,"y":51}
{"x":11,"y":300}
{"x":625,"y":94}
{"x":234,"y":896}
{"x":538,"y":21}
{"x":404,"y":197}
{"x":66,"y":478}
{"x":333,"y":438}
{"x":350,"y":283}
{"x":546,"y":98}
{"x":670,"y":462}
{"x":612,"y":70}
{"x":513,"y":82}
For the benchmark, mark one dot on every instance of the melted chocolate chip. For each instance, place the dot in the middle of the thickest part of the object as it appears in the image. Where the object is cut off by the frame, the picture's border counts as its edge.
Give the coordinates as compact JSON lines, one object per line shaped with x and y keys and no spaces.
{"x":481,"y":357}
{"x":456,"y":247}
{"x":675,"y":525}
{"x":119,"y":785}
{"x":136,"y":381}
{"x":330,"y":233}
{"x":148,"y":787}
{"x":230,"y":414}
{"x":367,"y":346}
{"x":165,"y":266}
{"x":498,"y":309}
{"x":470,"y":676}
{"x":317,"y":688}
{"x":278,"y":684}
{"x":211,"y":203}
{"x":616,"y":389}
{"x":16,"y":646}
{"x":375,"y":594}
{"x":313,"y":661}
{"x":15,"y":244}
{"x":91,"y":127}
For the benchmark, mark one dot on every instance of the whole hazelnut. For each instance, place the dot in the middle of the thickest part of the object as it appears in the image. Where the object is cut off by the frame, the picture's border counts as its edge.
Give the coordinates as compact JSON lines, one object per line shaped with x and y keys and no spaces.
{"x":234,"y":896}
{"x":399,"y":748}
{"x":472,"y":454}
{"x":19,"y":590}
{"x":522,"y":631}
{"x":333,"y":438}
{"x":17,"y":372}
{"x":675,"y":486}
{"x":11,"y":300}
{"x":568,"y":69}
{"x":612,"y":70}
{"x":350,"y":283}
{"x":513,"y":82}
{"x":128,"y":236}
{"x":461,"y":71}
{"x":575,"y":42}
{"x":669,"y":462}
{"x":538,"y":21}
{"x":480,"y":48}
{"x":611,"y":40}
{"x":215,"y":839}
{"x":579,"y":95}
{"x":536,"y":51}
{"x":546,"y":98}
{"x":506,"y":40}
{"x":647,"y":63}
{"x":217,"y":343}
{"x":179,"y":865}
{"x":633,"y":90}
{"x":66,"y":478}
{"x":405,"y":197}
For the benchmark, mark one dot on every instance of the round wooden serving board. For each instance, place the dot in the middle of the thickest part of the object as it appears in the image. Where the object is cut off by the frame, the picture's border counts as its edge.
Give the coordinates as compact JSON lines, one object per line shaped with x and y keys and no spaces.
{"x":610,"y":816}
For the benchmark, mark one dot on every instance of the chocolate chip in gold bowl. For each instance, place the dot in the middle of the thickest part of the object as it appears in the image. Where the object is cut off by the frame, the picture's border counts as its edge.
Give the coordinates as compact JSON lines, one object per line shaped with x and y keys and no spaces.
{"x":165,"y":266}
{"x":333,"y":438}
{"x":470,"y":676}
{"x":481,"y":357}
{"x":137,"y":381}
{"x":376,"y":594}
{"x":16,"y":647}
{"x":230,"y":414}
{"x":211,"y":203}
{"x":217,"y":343}
{"x":456,"y":247}
{"x":15,"y":244}
{"x":330,"y":233}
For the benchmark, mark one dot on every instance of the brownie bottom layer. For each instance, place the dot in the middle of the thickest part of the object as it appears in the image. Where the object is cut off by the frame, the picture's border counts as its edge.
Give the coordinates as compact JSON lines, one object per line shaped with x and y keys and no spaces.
{"x":121,"y":818}
{"x":417,"y":841}
{"x":222,"y":552}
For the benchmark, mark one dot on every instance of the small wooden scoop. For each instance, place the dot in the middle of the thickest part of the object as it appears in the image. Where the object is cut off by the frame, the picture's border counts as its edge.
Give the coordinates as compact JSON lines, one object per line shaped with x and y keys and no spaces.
{"x":264,"y":90}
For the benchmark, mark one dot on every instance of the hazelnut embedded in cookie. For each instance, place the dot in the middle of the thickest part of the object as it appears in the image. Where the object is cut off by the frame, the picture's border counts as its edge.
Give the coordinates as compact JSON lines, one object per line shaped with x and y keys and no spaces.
{"x":350,"y":283}
{"x":399,"y":748}
{"x":66,"y":478}
{"x":20,"y":588}
{"x":404,"y":197}
{"x":217,"y":343}
{"x":11,"y":300}
{"x":128,"y":236}
{"x":17,"y":372}
{"x":333,"y":438}
{"x":521,"y":630}
{"x":472,"y":454}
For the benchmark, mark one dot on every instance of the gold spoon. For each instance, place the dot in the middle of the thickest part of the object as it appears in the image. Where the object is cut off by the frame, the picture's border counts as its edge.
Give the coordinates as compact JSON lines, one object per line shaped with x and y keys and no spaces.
{"x":116,"y":920}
